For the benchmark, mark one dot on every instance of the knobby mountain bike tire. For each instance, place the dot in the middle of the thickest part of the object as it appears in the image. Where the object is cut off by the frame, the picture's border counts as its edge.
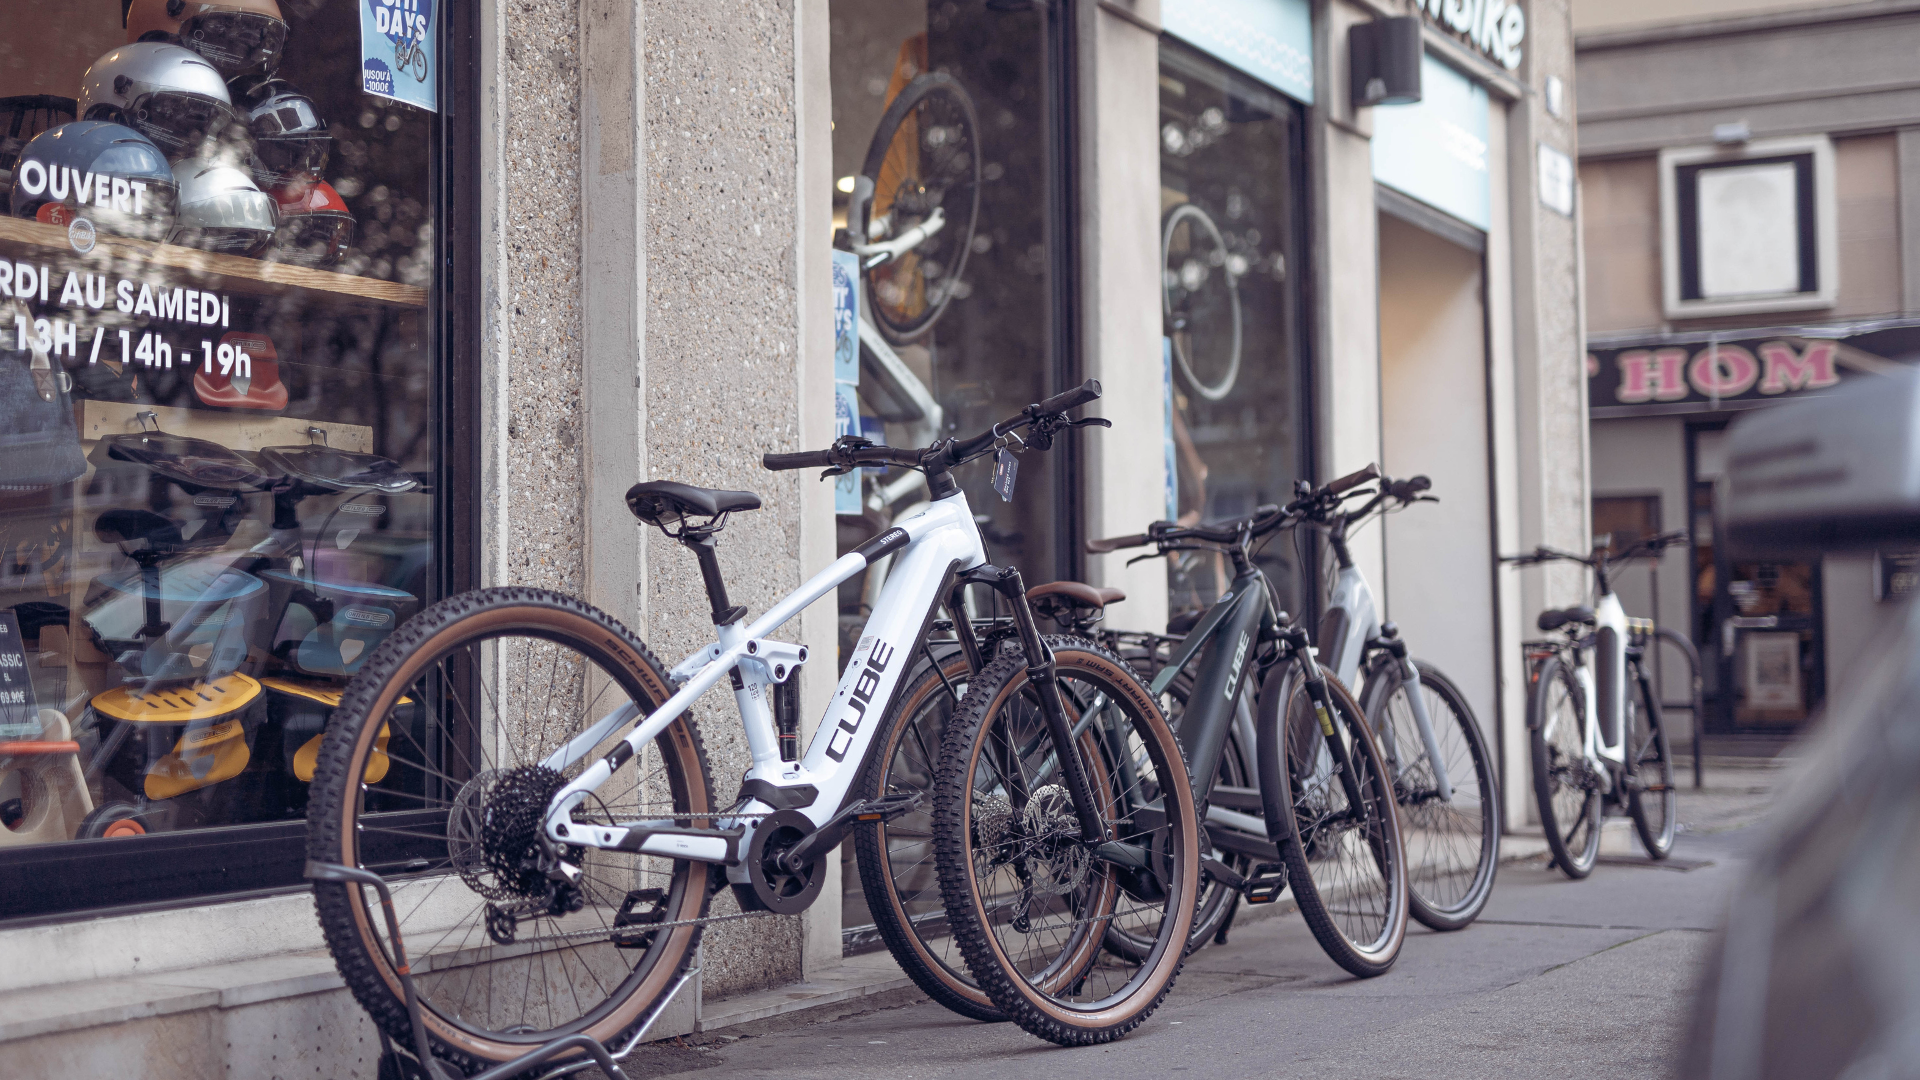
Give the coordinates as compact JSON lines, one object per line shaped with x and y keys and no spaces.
{"x":430,"y":775}
{"x":1028,"y":901}
{"x":1453,"y":847}
{"x":1346,"y":863}
{"x":896,"y":858}
{"x":1564,"y":789}
{"x":1652,"y":802}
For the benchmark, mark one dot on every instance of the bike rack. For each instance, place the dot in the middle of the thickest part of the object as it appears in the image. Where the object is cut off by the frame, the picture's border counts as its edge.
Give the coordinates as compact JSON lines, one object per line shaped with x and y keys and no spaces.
{"x":596,"y":1052}
{"x":1697,"y":704}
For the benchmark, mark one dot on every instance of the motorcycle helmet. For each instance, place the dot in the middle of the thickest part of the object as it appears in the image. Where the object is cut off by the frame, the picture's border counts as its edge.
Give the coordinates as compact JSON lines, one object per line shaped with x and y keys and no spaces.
{"x":108,"y":173}
{"x":221,"y":209}
{"x":316,"y":228}
{"x":290,"y":140}
{"x":238,"y":37}
{"x":169,"y":94}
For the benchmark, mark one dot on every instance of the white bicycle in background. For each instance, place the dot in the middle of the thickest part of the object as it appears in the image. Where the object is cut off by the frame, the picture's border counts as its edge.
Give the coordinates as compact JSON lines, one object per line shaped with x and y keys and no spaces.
{"x":1594,"y":716}
{"x":527,"y":781}
{"x":1443,"y":773}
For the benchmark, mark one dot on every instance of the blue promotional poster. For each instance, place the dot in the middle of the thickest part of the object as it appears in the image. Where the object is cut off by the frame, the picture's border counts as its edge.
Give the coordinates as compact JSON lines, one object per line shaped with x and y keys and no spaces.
{"x":397,"y":50}
{"x":846,"y":317}
{"x":846,"y":421}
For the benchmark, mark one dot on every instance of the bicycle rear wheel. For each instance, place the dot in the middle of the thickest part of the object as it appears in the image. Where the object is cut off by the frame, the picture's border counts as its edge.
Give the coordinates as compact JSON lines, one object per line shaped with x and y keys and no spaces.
{"x":435,"y":772}
{"x":1564,"y":786}
{"x":1030,"y":902}
{"x":1652,"y":801}
{"x":925,"y":157}
{"x":1453,"y":847}
{"x":1346,"y":861}
{"x":896,"y":858}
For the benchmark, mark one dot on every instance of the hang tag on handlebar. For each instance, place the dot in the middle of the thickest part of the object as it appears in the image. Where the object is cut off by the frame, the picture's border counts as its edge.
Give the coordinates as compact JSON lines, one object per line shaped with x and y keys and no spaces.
{"x":1006,"y":468}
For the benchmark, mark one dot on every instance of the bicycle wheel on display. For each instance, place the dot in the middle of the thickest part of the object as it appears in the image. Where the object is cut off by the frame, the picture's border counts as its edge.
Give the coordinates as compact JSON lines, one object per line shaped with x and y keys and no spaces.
{"x":1030,"y":902}
{"x":435,"y":772}
{"x":896,"y":857}
{"x":924,"y":164}
{"x":1346,"y":860}
{"x":1453,"y":845}
{"x":1564,"y":786}
{"x":1200,"y":300}
{"x":1652,"y":801}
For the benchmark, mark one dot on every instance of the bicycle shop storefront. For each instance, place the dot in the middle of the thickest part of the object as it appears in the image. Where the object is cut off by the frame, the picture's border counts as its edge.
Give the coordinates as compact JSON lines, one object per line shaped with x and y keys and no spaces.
{"x":1773,"y":636}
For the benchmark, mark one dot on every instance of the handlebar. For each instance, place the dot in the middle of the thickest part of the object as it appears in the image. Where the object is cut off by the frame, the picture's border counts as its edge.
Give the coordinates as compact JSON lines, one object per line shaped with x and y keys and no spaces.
{"x":1647,"y":545}
{"x":1043,"y":420}
{"x":1352,"y":480}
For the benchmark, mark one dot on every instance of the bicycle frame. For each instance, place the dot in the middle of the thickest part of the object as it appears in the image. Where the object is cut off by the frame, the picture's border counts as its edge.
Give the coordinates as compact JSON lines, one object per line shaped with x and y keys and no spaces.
{"x":1349,"y":631}
{"x":927,"y":549}
{"x":1604,"y":692}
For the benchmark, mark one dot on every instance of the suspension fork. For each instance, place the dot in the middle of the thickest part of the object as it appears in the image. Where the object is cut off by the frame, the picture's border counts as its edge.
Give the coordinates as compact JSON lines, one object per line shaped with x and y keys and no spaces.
{"x":1314,"y":679}
{"x":1422,"y":720}
{"x":1041,"y":675}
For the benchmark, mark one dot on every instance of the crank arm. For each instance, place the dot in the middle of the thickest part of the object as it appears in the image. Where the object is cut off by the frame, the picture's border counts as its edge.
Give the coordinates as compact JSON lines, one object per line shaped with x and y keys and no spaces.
{"x":828,"y":836}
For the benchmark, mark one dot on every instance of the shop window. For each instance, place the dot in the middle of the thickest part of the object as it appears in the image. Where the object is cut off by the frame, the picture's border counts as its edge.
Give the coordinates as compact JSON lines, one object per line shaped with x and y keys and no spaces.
{"x":1230,"y":190}
{"x":1748,"y":228}
{"x":222,"y":410}
{"x":949,"y":227}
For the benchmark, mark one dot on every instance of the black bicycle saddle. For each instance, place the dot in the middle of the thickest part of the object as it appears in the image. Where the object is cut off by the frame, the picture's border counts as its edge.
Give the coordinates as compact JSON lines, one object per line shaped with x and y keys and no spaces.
{"x":1554,"y":620}
{"x":662,"y":502}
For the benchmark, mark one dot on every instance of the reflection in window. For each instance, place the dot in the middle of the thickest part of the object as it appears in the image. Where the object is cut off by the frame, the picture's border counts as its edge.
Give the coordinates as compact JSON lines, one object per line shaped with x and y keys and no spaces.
{"x":216,"y":434}
{"x":1229,"y":159}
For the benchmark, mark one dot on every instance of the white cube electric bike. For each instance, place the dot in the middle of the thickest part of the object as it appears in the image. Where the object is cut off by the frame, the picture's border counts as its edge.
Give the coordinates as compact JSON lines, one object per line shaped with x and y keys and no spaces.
{"x":530,"y":784}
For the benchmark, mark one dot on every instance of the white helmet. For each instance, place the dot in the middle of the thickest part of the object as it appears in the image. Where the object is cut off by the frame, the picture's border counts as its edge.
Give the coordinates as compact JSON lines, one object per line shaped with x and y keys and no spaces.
{"x":169,"y":94}
{"x":221,"y":209}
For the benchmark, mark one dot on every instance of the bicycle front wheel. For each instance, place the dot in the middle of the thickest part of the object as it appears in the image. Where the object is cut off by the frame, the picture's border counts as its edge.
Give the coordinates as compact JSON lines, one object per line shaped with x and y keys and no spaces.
{"x":897,"y":874}
{"x":1651,"y":799}
{"x":436,"y":771}
{"x":1031,"y":901}
{"x":924,"y":160}
{"x":1567,"y":792}
{"x":1346,"y":861}
{"x":1453,"y":845}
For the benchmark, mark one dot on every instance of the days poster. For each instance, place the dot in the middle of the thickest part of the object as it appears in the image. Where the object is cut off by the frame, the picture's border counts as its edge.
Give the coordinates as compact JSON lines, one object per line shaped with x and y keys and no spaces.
{"x":398,"y":50}
{"x":846,"y":371}
{"x":846,"y":421}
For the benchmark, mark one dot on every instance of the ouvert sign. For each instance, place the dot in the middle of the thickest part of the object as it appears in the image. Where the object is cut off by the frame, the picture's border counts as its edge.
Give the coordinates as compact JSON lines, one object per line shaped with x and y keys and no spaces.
{"x":1494,"y":27}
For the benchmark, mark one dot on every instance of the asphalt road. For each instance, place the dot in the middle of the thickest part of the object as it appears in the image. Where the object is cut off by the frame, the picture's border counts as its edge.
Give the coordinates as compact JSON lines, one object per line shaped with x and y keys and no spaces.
{"x":1586,"y":979}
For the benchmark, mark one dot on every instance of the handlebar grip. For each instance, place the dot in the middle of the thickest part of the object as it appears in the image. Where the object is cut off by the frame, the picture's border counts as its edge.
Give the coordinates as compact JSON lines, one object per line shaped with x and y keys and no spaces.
{"x":1353,"y":480}
{"x":1079,"y":395}
{"x":805,"y":459}
{"x":1116,"y":543}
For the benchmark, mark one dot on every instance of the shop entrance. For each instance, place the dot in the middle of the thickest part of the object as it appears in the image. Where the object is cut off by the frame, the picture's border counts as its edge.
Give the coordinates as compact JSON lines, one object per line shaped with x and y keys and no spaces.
{"x":1757,"y":624}
{"x":1439,"y":583}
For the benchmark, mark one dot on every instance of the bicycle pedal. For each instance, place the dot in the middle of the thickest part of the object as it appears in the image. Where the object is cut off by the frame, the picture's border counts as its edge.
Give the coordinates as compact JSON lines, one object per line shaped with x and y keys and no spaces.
{"x":888,"y":807}
{"x":1267,"y":882}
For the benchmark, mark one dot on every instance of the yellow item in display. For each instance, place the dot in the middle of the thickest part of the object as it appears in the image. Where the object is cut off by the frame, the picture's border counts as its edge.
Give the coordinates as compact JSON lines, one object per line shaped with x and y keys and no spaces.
{"x":204,"y":756}
{"x":179,"y":705}
{"x":326,"y":694}
{"x":308,"y":756}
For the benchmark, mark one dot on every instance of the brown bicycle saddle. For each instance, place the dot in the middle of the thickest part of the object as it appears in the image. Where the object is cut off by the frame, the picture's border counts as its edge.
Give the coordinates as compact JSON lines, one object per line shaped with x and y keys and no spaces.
{"x":1064,"y":601}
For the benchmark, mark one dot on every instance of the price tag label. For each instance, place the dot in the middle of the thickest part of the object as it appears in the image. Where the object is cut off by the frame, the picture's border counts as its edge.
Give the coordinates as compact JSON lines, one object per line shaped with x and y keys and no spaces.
{"x":1006,"y":468}
{"x":19,"y":714}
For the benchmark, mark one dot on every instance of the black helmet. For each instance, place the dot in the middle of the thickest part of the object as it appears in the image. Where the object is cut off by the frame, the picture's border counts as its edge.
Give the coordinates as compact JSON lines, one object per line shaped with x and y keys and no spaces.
{"x":290,"y":140}
{"x":110,"y":174}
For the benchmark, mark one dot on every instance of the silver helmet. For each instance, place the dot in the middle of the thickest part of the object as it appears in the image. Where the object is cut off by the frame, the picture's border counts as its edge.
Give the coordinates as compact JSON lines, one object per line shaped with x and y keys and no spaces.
{"x":169,"y":94}
{"x":221,"y":209}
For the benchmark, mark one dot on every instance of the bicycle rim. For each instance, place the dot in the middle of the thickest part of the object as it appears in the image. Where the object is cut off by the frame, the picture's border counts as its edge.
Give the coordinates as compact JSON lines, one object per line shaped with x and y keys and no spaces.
{"x":1452,"y":845}
{"x":1200,"y":301}
{"x":1031,"y":905}
{"x":896,"y":860}
{"x":1346,"y":863}
{"x":925,"y":156}
{"x":1654,"y":803}
{"x":1564,"y":788}
{"x":431,"y":775}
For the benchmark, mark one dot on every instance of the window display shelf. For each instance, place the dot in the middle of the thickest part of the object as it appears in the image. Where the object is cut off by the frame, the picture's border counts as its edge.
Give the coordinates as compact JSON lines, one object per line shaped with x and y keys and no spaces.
{"x":20,"y":239}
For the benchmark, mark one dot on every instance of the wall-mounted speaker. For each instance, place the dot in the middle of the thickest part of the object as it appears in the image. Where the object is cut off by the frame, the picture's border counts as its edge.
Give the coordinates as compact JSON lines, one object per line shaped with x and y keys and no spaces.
{"x":1383,"y":59}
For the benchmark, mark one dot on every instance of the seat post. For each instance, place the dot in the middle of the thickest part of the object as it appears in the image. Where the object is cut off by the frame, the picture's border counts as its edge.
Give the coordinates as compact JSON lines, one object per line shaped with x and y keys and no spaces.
{"x":702,"y":545}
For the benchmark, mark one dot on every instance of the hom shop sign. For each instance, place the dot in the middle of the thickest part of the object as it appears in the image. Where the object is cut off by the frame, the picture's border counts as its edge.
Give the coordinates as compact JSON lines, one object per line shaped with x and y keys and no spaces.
{"x":1735,"y":373}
